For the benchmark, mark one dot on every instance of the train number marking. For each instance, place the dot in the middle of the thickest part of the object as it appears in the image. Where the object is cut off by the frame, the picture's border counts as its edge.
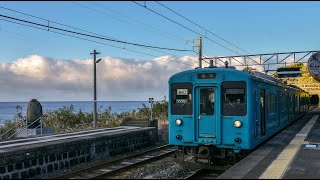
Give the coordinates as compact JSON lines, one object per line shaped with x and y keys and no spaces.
{"x":180,"y":101}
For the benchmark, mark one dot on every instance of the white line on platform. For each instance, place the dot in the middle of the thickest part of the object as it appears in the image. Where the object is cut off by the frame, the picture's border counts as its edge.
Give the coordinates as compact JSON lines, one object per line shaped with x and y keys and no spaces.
{"x":279,"y":166}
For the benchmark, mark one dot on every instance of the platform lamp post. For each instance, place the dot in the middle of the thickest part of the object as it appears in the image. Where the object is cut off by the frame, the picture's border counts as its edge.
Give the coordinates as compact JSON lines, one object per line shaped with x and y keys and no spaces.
{"x":95,"y":61}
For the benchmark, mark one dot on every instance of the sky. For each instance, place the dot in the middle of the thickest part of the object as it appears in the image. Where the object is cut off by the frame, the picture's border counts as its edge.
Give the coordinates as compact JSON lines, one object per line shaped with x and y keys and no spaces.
{"x":48,"y":66}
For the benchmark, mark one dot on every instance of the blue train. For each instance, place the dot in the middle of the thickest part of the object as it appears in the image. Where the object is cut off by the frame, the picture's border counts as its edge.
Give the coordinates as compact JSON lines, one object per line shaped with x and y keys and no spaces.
{"x":226,"y":111}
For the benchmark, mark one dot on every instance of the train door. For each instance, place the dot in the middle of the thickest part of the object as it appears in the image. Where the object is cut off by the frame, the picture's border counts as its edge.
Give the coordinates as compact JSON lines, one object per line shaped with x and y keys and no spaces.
{"x":206,"y":113}
{"x":263,"y":112}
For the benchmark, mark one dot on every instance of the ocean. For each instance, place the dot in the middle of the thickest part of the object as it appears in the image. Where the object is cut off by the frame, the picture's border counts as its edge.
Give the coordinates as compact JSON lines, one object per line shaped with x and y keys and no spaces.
{"x":8,"y":109}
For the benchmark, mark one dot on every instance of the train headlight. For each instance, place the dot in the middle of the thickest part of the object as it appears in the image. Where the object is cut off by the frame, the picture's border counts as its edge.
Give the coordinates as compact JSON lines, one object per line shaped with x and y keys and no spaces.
{"x":178,"y":122}
{"x":237,"y":124}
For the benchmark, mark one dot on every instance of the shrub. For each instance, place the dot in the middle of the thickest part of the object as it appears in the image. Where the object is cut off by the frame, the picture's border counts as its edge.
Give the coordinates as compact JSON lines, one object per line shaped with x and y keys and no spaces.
{"x":68,"y":119}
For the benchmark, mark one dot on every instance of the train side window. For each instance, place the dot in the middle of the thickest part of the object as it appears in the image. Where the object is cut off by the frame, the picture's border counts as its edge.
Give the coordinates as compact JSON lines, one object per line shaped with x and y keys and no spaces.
{"x":234,"y":101}
{"x":181,"y":99}
{"x":271,"y":103}
{"x":283,"y":105}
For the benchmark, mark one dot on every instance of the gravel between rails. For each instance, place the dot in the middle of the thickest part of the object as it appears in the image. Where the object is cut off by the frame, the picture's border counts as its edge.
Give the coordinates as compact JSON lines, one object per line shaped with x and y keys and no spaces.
{"x":165,"y":168}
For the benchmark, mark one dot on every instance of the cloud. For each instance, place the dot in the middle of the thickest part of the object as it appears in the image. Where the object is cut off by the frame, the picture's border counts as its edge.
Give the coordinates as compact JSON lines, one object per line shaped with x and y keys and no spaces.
{"x":48,"y":79}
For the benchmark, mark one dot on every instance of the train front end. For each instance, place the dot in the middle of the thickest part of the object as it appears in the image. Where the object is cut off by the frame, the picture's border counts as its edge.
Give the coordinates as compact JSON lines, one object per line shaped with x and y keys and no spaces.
{"x":209,"y":107}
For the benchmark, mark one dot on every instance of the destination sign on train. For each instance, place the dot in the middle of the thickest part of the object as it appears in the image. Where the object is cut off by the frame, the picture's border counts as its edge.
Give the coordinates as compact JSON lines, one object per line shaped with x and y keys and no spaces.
{"x":182,"y":91}
{"x":206,"y":76}
{"x":314,"y":66}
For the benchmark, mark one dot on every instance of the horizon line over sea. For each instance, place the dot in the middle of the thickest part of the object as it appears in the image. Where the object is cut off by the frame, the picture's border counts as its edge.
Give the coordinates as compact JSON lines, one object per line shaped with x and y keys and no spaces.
{"x":76,"y":101}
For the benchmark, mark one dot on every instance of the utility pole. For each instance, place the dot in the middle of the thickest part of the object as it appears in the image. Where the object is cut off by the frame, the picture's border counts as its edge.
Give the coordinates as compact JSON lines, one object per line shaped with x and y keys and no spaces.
{"x":95,"y":87}
{"x":200,"y":51}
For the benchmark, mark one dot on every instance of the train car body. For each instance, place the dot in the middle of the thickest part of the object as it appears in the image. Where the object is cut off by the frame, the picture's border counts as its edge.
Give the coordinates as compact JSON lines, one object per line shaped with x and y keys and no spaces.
{"x":230,"y":110}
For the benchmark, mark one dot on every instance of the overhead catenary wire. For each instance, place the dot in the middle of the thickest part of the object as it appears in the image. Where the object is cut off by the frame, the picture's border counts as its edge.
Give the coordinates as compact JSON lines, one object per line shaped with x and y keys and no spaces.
{"x":94,"y":36}
{"x":213,"y":58}
{"x":201,"y":27}
{"x":48,"y":27}
{"x":184,"y":27}
{"x":221,"y":64}
{"x":103,"y":13}
{"x":21,"y":37}
{"x":133,"y":19}
{"x":164,"y":34}
{"x":44,"y":29}
{"x":54,"y":22}
{"x":191,"y":30}
{"x":79,"y":37}
{"x":183,"y":63}
{"x":50,"y":21}
{"x":120,"y":20}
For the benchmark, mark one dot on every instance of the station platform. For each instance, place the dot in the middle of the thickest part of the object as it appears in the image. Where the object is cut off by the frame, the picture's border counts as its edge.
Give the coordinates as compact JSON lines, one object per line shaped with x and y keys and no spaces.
{"x":294,"y":153}
{"x":28,"y":142}
{"x":43,"y":156}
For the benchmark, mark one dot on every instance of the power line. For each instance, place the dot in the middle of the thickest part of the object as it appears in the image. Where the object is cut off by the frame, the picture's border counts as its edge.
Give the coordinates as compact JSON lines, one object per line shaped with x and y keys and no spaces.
{"x":76,"y":29}
{"x":22,"y":38}
{"x":184,"y":27}
{"x":93,"y":41}
{"x":200,"y":26}
{"x":100,"y":12}
{"x":45,"y":29}
{"x":127,"y":21}
{"x":190,"y":29}
{"x":117,"y":19}
{"x":182,"y":63}
{"x":49,"y":21}
{"x":124,"y":20}
{"x":171,"y":35}
{"x":110,"y":16}
{"x":92,"y":36}
{"x":80,"y":38}
{"x":206,"y":60}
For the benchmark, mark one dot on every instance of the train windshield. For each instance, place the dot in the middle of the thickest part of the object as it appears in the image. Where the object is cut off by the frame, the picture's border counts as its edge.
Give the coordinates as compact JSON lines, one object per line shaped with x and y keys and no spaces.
{"x":234,"y":98}
{"x":181,"y":99}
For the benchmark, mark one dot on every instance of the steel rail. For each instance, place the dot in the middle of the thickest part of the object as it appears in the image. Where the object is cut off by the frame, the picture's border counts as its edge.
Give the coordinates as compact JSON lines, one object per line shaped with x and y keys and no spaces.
{"x":105,"y":168}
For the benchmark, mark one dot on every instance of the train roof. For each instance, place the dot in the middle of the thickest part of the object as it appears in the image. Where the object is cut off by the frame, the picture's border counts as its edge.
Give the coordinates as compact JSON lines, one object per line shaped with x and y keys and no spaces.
{"x":267,"y":78}
{"x":255,"y":75}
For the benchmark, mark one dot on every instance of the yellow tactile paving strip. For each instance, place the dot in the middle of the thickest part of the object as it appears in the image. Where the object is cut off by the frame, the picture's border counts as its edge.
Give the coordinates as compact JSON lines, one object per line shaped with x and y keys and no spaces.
{"x":279,"y":166}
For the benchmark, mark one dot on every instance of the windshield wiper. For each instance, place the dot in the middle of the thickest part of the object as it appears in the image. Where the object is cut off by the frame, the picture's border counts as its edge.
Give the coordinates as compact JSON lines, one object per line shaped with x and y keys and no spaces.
{"x":183,"y":104}
{"x":230,"y":102}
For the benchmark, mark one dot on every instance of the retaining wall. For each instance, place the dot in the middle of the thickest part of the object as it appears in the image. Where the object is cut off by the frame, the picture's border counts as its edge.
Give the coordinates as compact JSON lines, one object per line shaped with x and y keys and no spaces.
{"x":41,"y":160}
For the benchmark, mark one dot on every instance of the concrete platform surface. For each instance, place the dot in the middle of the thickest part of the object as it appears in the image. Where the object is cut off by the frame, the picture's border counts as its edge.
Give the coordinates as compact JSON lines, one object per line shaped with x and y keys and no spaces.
{"x":13,"y":145}
{"x":294,"y":153}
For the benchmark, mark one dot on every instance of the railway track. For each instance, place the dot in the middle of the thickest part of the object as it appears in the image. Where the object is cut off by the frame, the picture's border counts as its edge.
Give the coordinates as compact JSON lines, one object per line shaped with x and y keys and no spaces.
{"x":203,"y":174}
{"x":110,"y":168}
{"x":204,"y":171}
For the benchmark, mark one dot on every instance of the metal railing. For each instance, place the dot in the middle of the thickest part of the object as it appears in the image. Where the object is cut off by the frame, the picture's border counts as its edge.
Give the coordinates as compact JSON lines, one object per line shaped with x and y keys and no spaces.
{"x":14,"y":127}
{"x":25,"y":128}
